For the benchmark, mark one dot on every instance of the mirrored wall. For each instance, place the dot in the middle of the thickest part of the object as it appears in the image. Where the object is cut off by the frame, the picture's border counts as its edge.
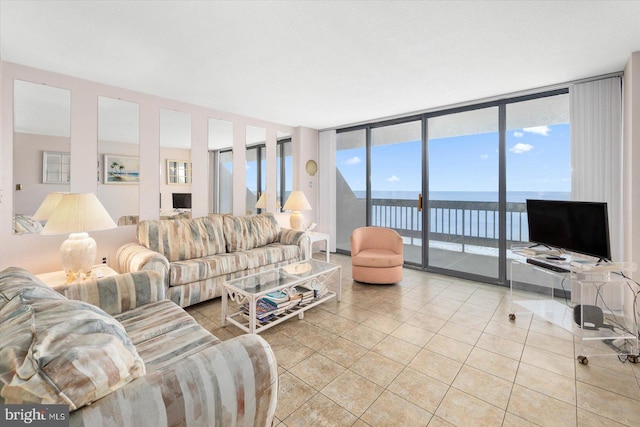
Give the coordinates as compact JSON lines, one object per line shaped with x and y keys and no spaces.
{"x":284,"y":168}
{"x":220,"y":146}
{"x":256,"y":177}
{"x":175,"y":164}
{"x":41,"y":150}
{"x":119,"y":159}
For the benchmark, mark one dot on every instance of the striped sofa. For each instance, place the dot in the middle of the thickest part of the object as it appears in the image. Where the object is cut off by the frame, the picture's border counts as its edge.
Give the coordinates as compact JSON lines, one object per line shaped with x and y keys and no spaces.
{"x":119,"y":354}
{"x":198,"y":255}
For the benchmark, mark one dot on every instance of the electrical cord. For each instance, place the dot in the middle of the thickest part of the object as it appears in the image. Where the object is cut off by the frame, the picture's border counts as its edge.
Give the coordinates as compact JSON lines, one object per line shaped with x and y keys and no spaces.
{"x":625,"y":352}
{"x":636,"y":314}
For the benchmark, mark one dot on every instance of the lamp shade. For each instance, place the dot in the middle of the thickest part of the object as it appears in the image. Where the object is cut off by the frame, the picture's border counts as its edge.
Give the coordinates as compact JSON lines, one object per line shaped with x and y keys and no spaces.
{"x":47,"y":206}
{"x":262,"y":201}
{"x":78,"y":213}
{"x":297,"y":202}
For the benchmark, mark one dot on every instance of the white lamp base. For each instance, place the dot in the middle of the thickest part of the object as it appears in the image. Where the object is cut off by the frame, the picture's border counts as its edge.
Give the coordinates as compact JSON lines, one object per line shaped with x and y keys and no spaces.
{"x":295,"y":220}
{"x":78,"y":254}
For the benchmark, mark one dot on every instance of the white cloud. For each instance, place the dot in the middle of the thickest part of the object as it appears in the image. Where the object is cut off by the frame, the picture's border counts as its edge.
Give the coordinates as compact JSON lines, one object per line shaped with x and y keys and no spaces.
{"x":520,"y":148}
{"x":484,"y":156}
{"x":393,"y":178}
{"x":538,"y":130}
{"x":353,"y":161}
{"x":518,"y":134}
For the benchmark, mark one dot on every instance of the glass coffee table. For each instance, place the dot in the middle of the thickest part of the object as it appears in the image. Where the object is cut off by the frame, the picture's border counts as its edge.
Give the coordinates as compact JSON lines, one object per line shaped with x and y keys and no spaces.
{"x":256,"y":302}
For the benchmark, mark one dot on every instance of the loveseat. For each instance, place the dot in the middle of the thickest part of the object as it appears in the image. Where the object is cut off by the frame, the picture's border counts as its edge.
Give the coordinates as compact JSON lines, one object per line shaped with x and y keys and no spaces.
{"x":197,"y":255}
{"x":139,"y":360}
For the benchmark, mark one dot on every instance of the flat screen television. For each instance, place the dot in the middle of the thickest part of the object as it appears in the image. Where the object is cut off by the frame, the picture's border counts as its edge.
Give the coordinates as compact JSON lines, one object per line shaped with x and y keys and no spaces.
{"x":581,"y":227}
{"x":181,"y":200}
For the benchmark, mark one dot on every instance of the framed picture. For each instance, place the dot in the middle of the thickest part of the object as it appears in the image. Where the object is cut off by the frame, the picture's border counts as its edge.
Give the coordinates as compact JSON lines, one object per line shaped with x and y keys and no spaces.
{"x":121,"y":169}
{"x":56,"y":166}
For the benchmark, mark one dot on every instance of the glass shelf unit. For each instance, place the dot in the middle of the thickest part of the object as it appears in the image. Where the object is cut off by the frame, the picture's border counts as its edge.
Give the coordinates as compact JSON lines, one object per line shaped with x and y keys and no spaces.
{"x":598,"y":292}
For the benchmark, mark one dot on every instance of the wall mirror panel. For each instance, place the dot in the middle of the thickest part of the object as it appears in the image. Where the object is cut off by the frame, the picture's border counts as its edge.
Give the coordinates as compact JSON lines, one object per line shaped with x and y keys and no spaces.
{"x":41,"y":146}
{"x":119,"y":159}
{"x":284,"y":168}
{"x":256,"y":179}
{"x":220,"y":146}
{"x":175,"y":149}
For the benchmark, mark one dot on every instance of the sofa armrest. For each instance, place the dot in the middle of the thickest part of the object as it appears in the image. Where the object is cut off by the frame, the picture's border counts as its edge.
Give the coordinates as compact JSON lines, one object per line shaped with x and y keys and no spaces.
{"x":120,"y":293}
{"x":300,"y":238}
{"x":135,"y":257}
{"x":234,"y":383}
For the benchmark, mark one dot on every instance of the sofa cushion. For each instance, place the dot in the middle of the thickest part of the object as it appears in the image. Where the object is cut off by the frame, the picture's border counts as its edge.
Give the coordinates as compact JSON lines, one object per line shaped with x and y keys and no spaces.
{"x":377,"y":258}
{"x":57,"y":351}
{"x":271,"y":254}
{"x":193,"y":270}
{"x":178,"y":344}
{"x":180,"y":239}
{"x":152,"y":320}
{"x":242,"y":233}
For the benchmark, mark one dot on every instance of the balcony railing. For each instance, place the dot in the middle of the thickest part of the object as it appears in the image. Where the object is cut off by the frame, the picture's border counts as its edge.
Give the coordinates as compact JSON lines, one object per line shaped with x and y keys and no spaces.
{"x":464,"y":223}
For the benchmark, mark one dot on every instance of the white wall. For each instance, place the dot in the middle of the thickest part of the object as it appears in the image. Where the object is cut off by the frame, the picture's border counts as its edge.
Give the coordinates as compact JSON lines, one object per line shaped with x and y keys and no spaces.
{"x":326,"y":179}
{"x":305,"y":148}
{"x":40,"y":253}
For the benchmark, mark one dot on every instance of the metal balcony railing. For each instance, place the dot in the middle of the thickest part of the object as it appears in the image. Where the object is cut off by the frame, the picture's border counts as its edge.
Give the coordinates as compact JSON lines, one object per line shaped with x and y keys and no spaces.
{"x":465,"y":223}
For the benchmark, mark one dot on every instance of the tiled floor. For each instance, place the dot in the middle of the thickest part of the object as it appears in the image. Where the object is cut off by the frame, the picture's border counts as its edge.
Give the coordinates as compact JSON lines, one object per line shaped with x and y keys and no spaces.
{"x":437,"y":351}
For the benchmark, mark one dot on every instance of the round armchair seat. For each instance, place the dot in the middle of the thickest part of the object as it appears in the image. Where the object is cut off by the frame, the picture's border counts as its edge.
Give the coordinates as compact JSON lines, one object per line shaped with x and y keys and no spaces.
{"x":380,"y":258}
{"x":376,"y":255}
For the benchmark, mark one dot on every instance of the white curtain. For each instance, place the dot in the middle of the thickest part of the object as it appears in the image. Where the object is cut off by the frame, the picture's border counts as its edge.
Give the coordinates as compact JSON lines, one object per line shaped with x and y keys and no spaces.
{"x":596,"y":150}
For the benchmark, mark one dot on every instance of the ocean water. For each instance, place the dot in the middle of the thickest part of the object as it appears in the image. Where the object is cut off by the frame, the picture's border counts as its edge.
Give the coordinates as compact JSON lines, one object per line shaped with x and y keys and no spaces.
{"x":470,"y":196}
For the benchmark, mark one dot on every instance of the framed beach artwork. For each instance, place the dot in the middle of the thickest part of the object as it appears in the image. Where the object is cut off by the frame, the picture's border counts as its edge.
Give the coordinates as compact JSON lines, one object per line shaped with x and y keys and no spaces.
{"x":121,"y":169}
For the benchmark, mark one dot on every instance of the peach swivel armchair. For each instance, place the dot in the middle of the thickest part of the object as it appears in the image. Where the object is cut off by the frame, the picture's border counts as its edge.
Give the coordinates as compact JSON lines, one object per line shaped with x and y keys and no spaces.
{"x":376,"y":255}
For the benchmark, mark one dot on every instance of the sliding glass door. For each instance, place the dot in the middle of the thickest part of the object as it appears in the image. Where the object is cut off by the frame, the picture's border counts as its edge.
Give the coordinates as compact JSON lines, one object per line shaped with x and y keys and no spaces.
{"x":464,"y":225}
{"x":472,"y":167}
{"x":396,"y":183}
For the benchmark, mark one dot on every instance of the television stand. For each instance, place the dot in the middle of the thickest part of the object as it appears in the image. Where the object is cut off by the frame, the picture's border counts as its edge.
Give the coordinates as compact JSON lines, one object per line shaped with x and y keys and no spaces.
{"x":595,"y":288}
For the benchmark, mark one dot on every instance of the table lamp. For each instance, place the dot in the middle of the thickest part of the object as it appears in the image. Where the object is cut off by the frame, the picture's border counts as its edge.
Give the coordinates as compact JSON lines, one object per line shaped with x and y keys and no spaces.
{"x":77,"y":214}
{"x":297,"y":202}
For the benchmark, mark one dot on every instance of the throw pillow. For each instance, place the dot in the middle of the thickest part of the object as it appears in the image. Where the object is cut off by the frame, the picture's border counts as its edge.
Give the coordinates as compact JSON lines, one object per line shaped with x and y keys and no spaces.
{"x":57,"y":351}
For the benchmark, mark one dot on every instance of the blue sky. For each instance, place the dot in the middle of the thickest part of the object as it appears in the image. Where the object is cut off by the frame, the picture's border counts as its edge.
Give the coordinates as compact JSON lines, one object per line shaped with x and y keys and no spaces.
{"x":538,"y":159}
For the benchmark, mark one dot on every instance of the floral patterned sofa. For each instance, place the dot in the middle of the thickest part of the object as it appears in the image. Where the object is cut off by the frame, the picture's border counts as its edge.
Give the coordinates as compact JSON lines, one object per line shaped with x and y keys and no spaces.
{"x":119,"y":354}
{"x":198,"y":255}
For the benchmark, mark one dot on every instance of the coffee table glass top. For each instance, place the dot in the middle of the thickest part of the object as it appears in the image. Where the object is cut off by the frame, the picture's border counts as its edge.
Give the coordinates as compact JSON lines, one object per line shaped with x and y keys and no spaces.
{"x":287,"y":275}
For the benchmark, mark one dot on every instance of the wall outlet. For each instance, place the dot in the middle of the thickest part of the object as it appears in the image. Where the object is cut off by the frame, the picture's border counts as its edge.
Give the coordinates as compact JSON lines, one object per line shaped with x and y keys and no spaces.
{"x":104,"y":260}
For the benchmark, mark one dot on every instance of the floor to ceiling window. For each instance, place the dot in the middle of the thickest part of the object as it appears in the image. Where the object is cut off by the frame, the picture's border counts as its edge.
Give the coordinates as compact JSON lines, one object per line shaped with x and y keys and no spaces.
{"x":396,"y":183}
{"x":256,"y":176}
{"x":463,"y":152}
{"x":538,"y":158}
{"x":284,"y":171}
{"x":351,"y":185}
{"x":476,"y":167}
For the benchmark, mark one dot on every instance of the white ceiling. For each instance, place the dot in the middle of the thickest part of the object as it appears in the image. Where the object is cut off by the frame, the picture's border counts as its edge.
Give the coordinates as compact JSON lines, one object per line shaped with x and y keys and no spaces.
{"x":322,"y":64}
